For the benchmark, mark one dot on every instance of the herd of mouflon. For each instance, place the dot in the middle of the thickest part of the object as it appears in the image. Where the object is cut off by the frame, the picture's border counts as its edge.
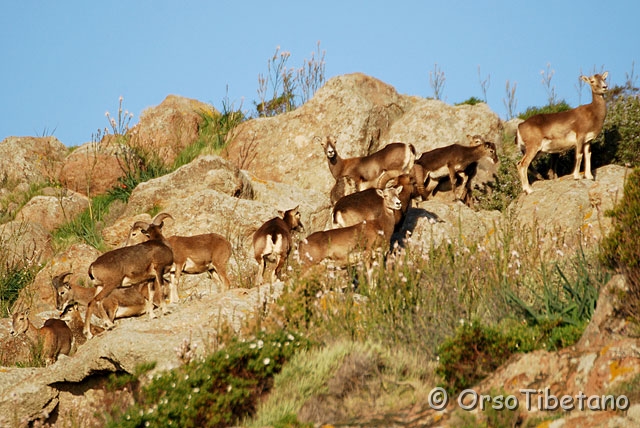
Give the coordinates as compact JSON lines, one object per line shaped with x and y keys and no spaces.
{"x":369,"y":200}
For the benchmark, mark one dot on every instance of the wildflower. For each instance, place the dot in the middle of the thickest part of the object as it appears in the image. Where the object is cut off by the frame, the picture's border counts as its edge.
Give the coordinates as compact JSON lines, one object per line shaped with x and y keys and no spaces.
{"x":266,"y":361}
{"x":229,"y":388}
{"x":290,"y":337}
{"x":260,"y":344}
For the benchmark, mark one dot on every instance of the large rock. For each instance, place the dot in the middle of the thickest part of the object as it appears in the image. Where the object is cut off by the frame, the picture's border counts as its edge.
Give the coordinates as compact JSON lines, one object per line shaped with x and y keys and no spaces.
{"x":24,"y":243}
{"x":165,"y":130}
{"x":94,"y":168}
{"x":430,"y":124}
{"x":572,"y":209}
{"x":355,"y":108}
{"x":51,"y":211}
{"x":364,"y":115}
{"x":31,"y":159}
{"x":433,"y":222}
{"x":205,"y":172}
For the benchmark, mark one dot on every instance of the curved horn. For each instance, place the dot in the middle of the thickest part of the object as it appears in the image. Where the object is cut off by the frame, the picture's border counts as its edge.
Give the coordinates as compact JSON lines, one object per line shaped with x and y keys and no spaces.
{"x":59,"y":279}
{"x":142,"y":225}
{"x":387,"y":179}
{"x":157,"y":220}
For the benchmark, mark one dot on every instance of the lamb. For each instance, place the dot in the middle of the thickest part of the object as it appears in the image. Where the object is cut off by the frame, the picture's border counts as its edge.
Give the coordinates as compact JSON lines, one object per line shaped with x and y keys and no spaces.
{"x":132,"y":265}
{"x":120,"y":303}
{"x":72,"y":316}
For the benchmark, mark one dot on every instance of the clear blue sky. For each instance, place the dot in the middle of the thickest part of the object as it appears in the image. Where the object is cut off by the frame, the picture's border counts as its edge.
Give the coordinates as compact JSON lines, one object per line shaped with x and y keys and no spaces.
{"x":65,"y":63}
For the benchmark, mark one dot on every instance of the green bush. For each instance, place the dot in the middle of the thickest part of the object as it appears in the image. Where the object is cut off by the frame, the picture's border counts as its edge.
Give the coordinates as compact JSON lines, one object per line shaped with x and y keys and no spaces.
{"x":477,"y":350}
{"x":619,"y":142}
{"x":473,"y":353}
{"x":550,"y":108}
{"x":212,"y":133}
{"x":218,"y":391}
{"x":471,"y":101}
{"x":621,"y":248}
{"x":506,"y":185}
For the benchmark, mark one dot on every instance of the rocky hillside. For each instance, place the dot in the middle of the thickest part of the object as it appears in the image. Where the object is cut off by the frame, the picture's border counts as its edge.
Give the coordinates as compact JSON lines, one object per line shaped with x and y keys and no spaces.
{"x":272,"y":164}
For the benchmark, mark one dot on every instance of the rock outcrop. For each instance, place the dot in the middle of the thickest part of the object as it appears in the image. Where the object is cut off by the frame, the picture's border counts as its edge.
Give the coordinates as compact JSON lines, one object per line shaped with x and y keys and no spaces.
{"x":166,"y":129}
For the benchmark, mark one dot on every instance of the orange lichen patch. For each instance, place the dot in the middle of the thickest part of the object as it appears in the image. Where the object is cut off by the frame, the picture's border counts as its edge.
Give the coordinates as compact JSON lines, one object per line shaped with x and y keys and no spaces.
{"x":258,"y":179}
{"x":616,"y":369}
{"x":605,"y":350}
{"x":516,"y":381}
{"x":587,"y":215}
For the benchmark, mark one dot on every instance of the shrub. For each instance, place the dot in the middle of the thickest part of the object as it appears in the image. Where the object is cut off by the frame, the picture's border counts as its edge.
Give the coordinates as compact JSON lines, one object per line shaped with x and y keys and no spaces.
{"x":471,"y":101}
{"x":212,"y":134}
{"x":506,"y":186}
{"x":219,"y":390}
{"x":477,"y":350}
{"x":550,"y":108}
{"x":621,"y":248}
{"x":473,"y":353}
{"x":619,"y":142}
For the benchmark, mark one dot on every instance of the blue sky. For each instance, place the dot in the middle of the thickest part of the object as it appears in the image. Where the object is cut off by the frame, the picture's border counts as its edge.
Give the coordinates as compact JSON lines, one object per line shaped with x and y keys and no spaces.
{"x":64,"y":64}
